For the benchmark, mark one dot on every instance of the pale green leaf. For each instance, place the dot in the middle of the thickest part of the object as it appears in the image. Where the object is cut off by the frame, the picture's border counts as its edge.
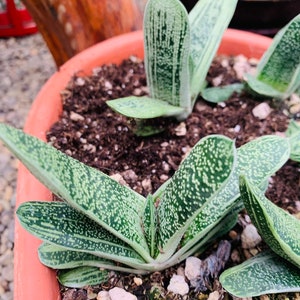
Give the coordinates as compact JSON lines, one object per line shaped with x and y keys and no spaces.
{"x":279,"y":68}
{"x":222,"y":93}
{"x":265,"y":273}
{"x":208,"y":21}
{"x":144,"y":107}
{"x":167,"y":41}
{"x":197,"y":180}
{"x":115,"y":207}
{"x":82,"y":276}
{"x":60,"y":224}
{"x":279,"y":229}
{"x":258,"y":159}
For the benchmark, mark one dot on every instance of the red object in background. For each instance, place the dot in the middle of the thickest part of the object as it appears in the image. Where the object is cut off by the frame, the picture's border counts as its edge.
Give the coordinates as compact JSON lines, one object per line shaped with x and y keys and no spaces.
{"x":15,"y":20}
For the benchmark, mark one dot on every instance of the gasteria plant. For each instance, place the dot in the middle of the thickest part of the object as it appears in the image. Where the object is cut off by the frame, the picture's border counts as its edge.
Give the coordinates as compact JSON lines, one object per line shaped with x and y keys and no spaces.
{"x":273,"y":271}
{"x":104,"y":224}
{"x":276,"y":270}
{"x":179,"y":49}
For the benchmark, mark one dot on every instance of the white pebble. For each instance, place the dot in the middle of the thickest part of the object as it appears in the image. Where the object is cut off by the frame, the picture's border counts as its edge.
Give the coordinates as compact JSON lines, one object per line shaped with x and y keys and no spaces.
{"x":103,"y":295}
{"x":250,"y":237}
{"x":178,"y":285}
{"x":192,"y":267}
{"x":261,"y":111}
{"x":120,"y":294}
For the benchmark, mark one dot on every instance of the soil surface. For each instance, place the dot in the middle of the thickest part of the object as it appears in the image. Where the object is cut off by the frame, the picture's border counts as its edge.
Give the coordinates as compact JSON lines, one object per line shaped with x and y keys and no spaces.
{"x":91,"y":132}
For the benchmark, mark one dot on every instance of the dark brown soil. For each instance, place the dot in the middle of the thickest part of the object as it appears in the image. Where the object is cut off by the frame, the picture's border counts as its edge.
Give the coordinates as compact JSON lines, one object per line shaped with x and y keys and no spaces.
{"x":89,"y":131}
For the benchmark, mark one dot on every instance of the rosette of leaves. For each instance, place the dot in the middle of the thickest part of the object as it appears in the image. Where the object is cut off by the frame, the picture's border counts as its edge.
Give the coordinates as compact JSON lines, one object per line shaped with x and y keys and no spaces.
{"x":103,"y":224}
{"x":179,"y":49}
{"x":273,"y":271}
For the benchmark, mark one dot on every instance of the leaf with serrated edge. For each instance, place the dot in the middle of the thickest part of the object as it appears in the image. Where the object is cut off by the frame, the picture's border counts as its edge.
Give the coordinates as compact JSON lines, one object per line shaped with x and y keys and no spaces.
{"x":258,"y":159}
{"x":82,"y":276}
{"x":279,"y":229}
{"x":279,"y":68}
{"x":56,"y":257}
{"x":198,"y":178}
{"x":167,"y":40}
{"x":208,"y":21}
{"x":265,"y":273}
{"x":115,"y":207}
{"x":60,"y":224}
{"x":143,"y":107}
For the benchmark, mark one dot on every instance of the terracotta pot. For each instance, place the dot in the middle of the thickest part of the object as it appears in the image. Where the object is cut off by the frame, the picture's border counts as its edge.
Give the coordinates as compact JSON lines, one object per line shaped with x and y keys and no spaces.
{"x":32,"y":279}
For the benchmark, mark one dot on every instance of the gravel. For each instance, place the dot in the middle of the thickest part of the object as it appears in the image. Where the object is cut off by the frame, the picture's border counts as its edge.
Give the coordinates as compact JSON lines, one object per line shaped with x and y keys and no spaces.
{"x":25,"y":65}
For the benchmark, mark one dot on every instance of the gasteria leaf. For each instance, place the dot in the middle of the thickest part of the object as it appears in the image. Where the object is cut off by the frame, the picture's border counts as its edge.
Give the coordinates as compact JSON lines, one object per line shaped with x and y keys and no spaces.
{"x":144,"y":107}
{"x":258,"y":160}
{"x":60,"y":224}
{"x":198,"y":179}
{"x":208,"y":21}
{"x":117,"y":208}
{"x":265,"y":273}
{"x":279,"y":229}
{"x":82,"y":276}
{"x":278,"y":72}
{"x":166,"y":41}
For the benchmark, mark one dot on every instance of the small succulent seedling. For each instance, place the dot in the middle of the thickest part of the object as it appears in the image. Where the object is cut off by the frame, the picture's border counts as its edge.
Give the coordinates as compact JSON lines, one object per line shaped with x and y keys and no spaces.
{"x":179,"y":49}
{"x":104,"y":224}
{"x":278,"y":71}
{"x":276,"y":271}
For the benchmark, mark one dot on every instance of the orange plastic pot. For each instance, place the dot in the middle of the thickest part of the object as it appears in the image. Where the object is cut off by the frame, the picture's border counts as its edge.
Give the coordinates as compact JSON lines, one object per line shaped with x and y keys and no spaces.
{"x":32,"y":279}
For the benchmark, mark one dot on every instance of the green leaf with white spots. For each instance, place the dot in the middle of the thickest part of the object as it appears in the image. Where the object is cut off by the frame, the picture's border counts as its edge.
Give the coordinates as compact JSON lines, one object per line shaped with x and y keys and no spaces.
{"x":221,"y":93}
{"x":116,"y":208}
{"x":60,"y":224}
{"x":293,"y":134}
{"x":265,"y":273}
{"x":57,"y":257}
{"x":208,"y":21}
{"x":82,"y":276}
{"x":194,"y":184}
{"x":279,"y":229}
{"x":150,"y":224}
{"x":278,"y":72}
{"x":166,"y":42}
{"x":258,"y":160}
{"x":143,"y":107}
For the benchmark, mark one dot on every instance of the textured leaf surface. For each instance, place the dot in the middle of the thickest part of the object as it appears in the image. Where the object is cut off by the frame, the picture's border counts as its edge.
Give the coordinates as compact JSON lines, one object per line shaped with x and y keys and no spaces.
{"x":198,"y":178}
{"x":115,"y":207}
{"x":82,"y":276}
{"x":279,"y":229}
{"x":222,"y":93}
{"x":167,"y":39}
{"x":208,"y":21}
{"x":293,"y":132}
{"x":279,"y":68}
{"x":59,"y":258}
{"x":258,"y":160}
{"x":144,"y":107}
{"x":59,"y":224}
{"x":265,"y":273}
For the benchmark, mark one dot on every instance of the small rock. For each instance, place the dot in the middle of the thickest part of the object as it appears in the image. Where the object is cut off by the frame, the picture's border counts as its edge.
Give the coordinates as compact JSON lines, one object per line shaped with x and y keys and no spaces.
{"x":180,"y":130}
{"x":76,"y":117}
{"x":214,"y":296}
{"x":192,"y":267}
{"x":261,"y":111}
{"x":138,"y":281}
{"x":103,"y":295}
{"x":120,"y":294}
{"x":178,"y":285}
{"x":250,"y":237}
